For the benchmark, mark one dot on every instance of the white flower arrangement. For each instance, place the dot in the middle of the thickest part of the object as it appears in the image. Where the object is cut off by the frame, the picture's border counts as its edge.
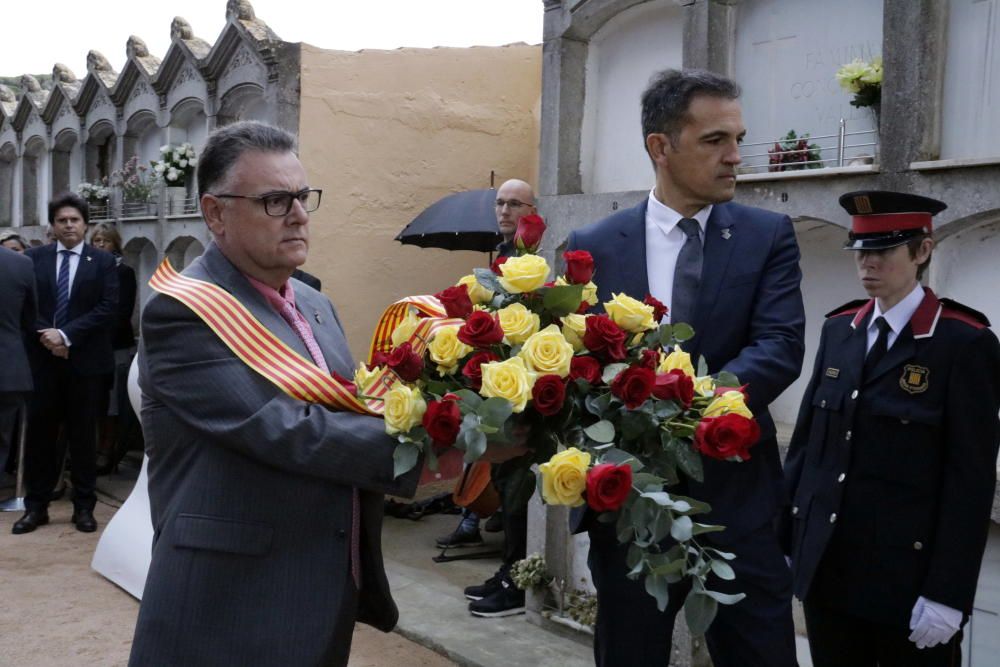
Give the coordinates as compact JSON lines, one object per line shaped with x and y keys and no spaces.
{"x":176,"y":163}
{"x":862,"y":79}
{"x":93,"y":192}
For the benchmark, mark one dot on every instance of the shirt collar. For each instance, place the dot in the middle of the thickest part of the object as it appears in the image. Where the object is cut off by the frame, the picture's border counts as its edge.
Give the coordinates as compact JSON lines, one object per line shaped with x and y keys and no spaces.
{"x":76,"y":250}
{"x":276,"y":297}
{"x":899,"y":315}
{"x":667,"y":218}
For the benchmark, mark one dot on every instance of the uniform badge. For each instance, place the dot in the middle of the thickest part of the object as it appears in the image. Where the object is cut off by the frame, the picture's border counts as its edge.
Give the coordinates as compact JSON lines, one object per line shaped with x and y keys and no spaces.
{"x":914,"y":379}
{"x":833,"y":372}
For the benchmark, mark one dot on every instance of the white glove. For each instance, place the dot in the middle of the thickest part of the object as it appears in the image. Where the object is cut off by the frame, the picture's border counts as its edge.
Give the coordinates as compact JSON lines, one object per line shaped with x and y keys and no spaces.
{"x":933,"y":623}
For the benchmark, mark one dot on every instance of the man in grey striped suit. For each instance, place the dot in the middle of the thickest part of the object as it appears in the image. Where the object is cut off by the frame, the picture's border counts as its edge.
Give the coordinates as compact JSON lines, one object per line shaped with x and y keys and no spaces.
{"x":266,"y":510}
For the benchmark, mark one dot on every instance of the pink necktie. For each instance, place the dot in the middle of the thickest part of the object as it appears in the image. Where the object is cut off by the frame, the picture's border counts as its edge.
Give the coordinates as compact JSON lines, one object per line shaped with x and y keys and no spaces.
{"x":301,"y":327}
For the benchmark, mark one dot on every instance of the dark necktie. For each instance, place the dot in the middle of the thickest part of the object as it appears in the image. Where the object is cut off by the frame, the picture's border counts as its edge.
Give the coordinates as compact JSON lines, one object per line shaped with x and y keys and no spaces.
{"x":62,"y":290}
{"x":687,"y":273}
{"x":880,"y":347}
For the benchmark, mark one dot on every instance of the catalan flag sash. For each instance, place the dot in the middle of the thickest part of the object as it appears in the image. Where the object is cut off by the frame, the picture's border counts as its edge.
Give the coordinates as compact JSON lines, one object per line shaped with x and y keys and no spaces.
{"x":258,"y":347}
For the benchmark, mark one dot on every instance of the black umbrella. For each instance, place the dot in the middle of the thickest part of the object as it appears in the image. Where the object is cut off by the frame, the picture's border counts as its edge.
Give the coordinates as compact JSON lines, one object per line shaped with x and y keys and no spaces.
{"x":462,"y":221}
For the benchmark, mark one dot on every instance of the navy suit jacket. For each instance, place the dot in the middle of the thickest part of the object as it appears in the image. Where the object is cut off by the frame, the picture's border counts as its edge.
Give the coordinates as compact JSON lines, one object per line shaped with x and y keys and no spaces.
{"x":749,"y":320}
{"x":93,"y":307}
{"x":17,"y":319}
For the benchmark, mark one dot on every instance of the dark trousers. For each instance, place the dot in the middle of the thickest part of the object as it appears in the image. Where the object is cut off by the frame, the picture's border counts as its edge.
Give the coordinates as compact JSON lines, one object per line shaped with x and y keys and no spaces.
{"x":756,"y":632}
{"x":840,"y":639}
{"x":10,"y":405}
{"x":62,"y":397}
{"x":515,"y":486}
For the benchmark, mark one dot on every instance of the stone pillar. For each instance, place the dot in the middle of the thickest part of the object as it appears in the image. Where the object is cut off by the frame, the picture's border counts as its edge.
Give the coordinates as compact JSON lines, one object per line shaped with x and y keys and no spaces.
{"x":17,"y":193}
{"x":43,"y":184}
{"x":710,"y":35}
{"x":913,"y":52}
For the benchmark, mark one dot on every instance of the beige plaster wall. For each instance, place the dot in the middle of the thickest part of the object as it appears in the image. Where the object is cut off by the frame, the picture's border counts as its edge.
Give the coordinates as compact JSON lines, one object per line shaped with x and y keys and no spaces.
{"x":386,"y":134}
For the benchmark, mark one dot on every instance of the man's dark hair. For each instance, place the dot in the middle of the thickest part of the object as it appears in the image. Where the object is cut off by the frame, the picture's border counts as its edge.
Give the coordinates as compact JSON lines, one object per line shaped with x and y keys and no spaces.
{"x":70,"y":199}
{"x":666,"y":100}
{"x":225,"y":146}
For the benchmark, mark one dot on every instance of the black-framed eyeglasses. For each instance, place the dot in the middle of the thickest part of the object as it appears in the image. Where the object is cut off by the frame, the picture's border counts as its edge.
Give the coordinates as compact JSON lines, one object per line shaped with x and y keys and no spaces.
{"x":279,"y":204}
{"x":512,"y":203}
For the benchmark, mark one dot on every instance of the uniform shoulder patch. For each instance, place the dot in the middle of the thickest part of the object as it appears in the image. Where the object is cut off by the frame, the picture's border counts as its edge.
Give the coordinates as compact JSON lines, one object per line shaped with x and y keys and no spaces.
{"x":849,"y":308}
{"x":953,"y":310}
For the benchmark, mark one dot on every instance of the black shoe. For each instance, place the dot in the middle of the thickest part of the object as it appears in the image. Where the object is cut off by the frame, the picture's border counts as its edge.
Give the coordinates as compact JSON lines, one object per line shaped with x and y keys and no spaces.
{"x":508,"y":601}
{"x":485,"y":589}
{"x":495,"y":523}
{"x":84,"y":521}
{"x":461,"y":538}
{"x":32,"y":519}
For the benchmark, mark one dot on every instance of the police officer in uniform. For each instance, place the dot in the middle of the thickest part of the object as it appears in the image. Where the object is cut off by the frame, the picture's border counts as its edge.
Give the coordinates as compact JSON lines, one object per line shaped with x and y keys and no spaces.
{"x":892,"y":464}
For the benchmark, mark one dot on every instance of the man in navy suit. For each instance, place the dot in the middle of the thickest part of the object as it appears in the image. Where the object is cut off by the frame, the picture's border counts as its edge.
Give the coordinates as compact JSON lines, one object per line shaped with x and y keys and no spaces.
{"x":732,"y":272}
{"x":17,"y":317}
{"x":70,"y":353}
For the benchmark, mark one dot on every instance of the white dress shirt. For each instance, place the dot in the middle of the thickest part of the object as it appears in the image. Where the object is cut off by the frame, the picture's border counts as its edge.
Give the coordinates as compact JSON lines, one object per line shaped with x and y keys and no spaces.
{"x":897,"y":316}
{"x":76,"y":252}
{"x":664,"y":240}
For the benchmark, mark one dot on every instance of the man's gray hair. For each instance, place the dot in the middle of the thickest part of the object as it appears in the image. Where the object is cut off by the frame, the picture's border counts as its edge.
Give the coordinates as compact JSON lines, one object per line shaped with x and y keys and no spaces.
{"x":225,"y":146}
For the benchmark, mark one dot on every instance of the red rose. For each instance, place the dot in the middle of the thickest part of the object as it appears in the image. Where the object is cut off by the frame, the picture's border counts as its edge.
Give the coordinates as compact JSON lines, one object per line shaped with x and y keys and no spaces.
{"x":608,"y":486}
{"x":726,"y":437}
{"x":495,"y":266}
{"x":604,"y":338}
{"x":442,"y":420}
{"x":481,"y":330}
{"x":456,"y":301}
{"x":405,"y":363}
{"x":548,"y":394}
{"x":585,"y":368}
{"x":528,"y":236}
{"x":471,"y":370}
{"x":379,"y":358}
{"x":675,"y":385}
{"x":659,"y":310}
{"x":650,"y":359}
{"x":719,"y":391}
{"x":579,"y":267}
{"x":633,"y":386}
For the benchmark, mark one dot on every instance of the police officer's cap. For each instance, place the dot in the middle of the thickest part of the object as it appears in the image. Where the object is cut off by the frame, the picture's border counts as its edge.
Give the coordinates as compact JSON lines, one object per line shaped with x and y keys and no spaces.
{"x":881,"y":219}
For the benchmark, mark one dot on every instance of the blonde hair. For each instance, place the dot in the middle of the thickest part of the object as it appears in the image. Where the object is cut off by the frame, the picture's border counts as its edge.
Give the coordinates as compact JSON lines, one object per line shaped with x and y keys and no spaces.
{"x":110,"y":233}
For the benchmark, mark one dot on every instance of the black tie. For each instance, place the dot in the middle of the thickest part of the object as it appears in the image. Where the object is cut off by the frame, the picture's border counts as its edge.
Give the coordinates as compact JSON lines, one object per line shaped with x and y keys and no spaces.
{"x":879,"y":348}
{"x":687,"y":273}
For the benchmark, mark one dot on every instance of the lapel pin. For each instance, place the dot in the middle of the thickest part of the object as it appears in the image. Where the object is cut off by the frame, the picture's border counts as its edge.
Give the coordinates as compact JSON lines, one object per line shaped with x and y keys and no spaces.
{"x":88,"y":258}
{"x":726,"y":234}
{"x":319,"y":320}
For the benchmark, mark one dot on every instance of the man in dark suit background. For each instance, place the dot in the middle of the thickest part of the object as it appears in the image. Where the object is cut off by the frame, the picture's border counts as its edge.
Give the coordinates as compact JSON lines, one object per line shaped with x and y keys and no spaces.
{"x":732,"y":272}
{"x":70,"y":352}
{"x":17,"y":320}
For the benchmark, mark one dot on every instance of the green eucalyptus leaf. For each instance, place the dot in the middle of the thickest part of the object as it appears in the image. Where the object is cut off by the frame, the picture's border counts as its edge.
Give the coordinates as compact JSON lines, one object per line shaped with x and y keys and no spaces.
{"x":727,"y":379}
{"x":722,"y":554}
{"x":470,"y":400}
{"x":666,"y":335}
{"x":680,"y":529}
{"x":476,"y":445}
{"x":700,"y":528}
{"x":635,"y":424}
{"x":657,"y":586}
{"x":617,"y":456}
{"x":603,"y":431}
{"x":495,"y":411}
{"x":724,"y":598}
{"x":687,"y":458}
{"x":598,"y":404}
{"x":670,"y":566}
{"x":702,"y":367}
{"x":699,"y":612}
{"x":723,"y":570}
{"x":665,"y":410}
{"x":682,"y":332}
{"x":611,"y":371}
{"x":563,"y":299}
{"x":489,"y":280}
{"x":404,"y":457}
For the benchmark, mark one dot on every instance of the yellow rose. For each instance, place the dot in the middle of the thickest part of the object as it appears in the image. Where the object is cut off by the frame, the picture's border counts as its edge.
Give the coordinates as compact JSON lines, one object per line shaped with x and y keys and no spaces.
{"x":573,"y":328}
{"x":524,"y":274}
{"x":564,"y":477}
{"x":518,"y":323}
{"x":364,"y":378}
{"x":589,"y":291}
{"x":405,"y":329}
{"x":729,"y":402}
{"x":677,"y":359}
{"x":509,"y":379}
{"x":404,"y":408}
{"x":547,"y":352}
{"x":477,"y":292}
{"x":705,"y":385}
{"x":628,"y":313}
{"x":446,"y":349}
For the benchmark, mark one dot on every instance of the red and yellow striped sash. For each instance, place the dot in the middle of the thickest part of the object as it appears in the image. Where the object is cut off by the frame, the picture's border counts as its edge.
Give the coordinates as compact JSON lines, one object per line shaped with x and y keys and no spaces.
{"x":256,"y":346}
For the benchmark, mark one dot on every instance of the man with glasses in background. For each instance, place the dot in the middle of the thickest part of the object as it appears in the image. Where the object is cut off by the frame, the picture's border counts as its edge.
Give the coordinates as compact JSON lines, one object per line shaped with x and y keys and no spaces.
{"x":266,"y":509}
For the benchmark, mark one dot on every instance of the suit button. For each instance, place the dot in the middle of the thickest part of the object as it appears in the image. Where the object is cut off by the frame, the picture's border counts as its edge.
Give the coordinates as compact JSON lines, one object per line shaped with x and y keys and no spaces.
{"x":904,"y":421}
{"x":847,"y":436}
{"x":833,"y":518}
{"x":841,"y":477}
{"x":918,"y":545}
{"x":822,"y":403}
{"x":795,"y":510}
{"x":854,"y":394}
{"x":341,"y":533}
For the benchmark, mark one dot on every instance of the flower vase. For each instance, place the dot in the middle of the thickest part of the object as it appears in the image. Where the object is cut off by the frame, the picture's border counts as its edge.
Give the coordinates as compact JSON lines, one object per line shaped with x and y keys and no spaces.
{"x":176,"y":198}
